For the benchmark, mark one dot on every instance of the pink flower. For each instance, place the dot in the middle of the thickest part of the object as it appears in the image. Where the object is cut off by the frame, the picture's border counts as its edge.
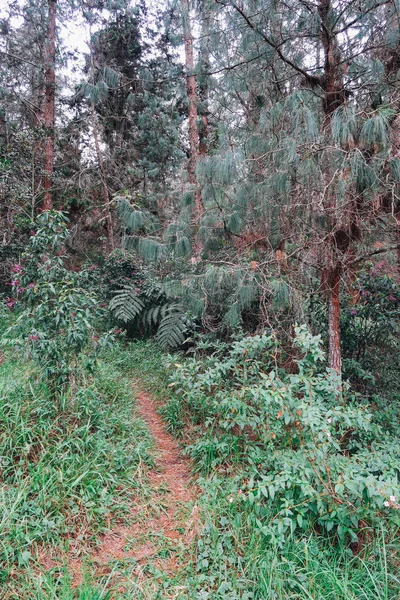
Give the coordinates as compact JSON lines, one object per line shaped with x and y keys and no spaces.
{"x":31,"y":285}
{"x":10,"y":302}
{"x":16,"y":268}
{"x":33,"y":338}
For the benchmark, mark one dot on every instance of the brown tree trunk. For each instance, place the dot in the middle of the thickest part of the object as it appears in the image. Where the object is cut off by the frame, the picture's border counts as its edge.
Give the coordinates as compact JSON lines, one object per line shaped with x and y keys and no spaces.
{"x":192,"y":101}
{"x":49,"y":109}
{"x":395,"y":153}
{"x":333,"y":97}
{"x":37,"y":162}
{"x":398,"y":247}
{"x":335,"y":354}
{"x":204,"y":82}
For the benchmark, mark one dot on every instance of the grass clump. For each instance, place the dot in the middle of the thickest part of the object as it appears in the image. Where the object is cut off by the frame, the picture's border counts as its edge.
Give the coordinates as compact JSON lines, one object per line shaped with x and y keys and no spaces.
{"x":69,"y":467}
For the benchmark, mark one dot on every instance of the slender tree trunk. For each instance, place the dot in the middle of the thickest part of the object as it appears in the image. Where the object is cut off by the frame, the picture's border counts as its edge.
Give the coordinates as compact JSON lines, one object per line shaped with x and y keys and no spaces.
{"x":204,"y":82}
{"x":335,"y":354}
{"x":398,"y":246}
{"x":49,"y":109}
{"x":192,"y":101}
{"x":99,"y":154}
{"x":332,"y":99}
{"x":395,"y":153}
{"x":37,"y":162}
{"x":106,"y":196}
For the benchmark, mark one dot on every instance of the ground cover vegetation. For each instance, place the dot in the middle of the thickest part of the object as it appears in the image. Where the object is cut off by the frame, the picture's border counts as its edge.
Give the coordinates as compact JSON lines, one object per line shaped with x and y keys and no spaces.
{"x":199,"y":208}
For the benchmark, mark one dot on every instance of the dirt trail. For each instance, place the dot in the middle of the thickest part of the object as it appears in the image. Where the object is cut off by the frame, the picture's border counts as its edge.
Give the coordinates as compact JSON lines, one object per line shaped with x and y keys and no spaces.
{"x":161,"y":532}
{"x":158,"y":533}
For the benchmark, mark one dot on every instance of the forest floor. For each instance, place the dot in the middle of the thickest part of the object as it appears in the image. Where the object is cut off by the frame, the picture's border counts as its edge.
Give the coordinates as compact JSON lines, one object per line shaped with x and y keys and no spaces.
{"x":158,"y":536}
{"x":98,"y":502}
{"x":124,"y":509}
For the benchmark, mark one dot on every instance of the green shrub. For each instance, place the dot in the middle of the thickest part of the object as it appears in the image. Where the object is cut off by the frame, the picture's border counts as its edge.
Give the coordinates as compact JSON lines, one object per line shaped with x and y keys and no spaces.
{"x":313,"y":451}
{"x":55,"y":313}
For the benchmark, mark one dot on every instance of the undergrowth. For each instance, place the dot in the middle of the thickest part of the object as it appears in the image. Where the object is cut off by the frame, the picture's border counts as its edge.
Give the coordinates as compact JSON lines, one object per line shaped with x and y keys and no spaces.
{"x":75,"y":465}
{"x":69,"y":469}
{"x":241,"y":553}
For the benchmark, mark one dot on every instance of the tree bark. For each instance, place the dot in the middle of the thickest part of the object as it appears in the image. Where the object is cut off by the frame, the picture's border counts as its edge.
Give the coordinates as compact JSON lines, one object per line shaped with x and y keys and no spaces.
{"x":49,"y":109}
{"x":333,"y":86}
{"x":37,"y":162}
{"x":204,"y":82}
{"x":335,"y":354}
{"x":106,"y":196}
{"x":192,"y":101}
{"x":99,"y":154}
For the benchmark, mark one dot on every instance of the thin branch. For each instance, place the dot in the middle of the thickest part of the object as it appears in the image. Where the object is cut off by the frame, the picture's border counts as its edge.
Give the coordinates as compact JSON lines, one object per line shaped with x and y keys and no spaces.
{"x":374,"y":253}
{"x":314,"y":79}
{"x":24,"y":60}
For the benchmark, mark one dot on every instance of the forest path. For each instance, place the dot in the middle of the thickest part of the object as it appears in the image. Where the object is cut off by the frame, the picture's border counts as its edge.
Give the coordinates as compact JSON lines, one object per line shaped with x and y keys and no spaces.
{"x":160,"y":533}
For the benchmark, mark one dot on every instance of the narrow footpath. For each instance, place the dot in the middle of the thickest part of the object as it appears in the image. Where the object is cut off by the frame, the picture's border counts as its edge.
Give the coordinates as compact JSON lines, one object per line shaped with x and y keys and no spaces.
{"x":160,"y":534}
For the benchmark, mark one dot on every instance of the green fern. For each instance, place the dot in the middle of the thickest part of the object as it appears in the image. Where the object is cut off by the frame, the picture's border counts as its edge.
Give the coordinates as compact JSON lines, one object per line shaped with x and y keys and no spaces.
{"x":152,"y":308}
{"x":173,"y":327}
{"x":126,"y":304}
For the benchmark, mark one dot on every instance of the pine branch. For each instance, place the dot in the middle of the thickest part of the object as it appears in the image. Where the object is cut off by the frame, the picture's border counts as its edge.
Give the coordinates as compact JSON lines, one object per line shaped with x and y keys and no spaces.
{"x":24,"y":60}
{"x":312,"y":79}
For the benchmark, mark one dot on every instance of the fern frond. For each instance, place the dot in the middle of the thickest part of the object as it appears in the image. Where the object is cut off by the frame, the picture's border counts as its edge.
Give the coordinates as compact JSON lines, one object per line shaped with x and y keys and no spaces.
{"x":173,"y":327}
{"x":126,"y":304}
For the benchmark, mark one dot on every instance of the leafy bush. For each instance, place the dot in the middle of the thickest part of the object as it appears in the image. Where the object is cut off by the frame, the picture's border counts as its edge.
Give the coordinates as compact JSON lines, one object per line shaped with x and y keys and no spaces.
{"x":312,"y":450}
{"x":370,"y":333}
{"x":55,"y":312}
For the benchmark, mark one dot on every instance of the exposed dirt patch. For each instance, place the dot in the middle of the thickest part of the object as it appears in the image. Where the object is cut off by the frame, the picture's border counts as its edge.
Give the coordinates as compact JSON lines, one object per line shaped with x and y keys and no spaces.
{"x":162,"y":530}
{"x":157,"y":534}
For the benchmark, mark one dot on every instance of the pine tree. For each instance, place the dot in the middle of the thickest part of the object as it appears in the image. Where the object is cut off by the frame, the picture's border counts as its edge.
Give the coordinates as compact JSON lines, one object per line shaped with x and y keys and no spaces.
{"x":49,"y":105}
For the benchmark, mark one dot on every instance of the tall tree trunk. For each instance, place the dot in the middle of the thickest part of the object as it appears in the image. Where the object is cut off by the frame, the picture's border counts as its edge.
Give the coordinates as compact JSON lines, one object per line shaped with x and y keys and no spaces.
{"x":204,"y":81}
{"x":106,"y":196}
{"x":333,"y":97}
{"x":49,"y":109}
{"x":192,"y":101}
{"x":395,"y":153}
{"x":99,"y":154}
{"x":37,"y":159}
{"x":335,"y":354}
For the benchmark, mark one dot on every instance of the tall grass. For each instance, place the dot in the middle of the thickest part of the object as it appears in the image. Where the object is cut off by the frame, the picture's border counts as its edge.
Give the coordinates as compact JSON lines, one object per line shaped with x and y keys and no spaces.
{"x":68,"y":470}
